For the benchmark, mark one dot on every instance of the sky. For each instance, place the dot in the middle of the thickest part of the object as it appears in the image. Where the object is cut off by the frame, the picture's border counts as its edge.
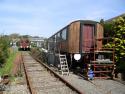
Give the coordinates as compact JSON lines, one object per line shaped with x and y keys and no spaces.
{"x":45,"y":17}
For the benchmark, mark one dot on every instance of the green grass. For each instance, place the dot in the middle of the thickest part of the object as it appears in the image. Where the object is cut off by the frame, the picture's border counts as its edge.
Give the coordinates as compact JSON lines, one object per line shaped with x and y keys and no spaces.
{"x":7,"y":67}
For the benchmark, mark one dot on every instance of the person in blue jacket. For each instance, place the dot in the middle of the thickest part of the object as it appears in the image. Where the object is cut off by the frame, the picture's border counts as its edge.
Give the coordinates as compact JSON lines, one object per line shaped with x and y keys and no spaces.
{"x":91,"y":74}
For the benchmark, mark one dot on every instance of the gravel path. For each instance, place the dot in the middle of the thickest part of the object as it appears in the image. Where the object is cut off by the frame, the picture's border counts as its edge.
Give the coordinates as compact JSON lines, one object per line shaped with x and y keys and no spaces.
{"x":98,"y":86}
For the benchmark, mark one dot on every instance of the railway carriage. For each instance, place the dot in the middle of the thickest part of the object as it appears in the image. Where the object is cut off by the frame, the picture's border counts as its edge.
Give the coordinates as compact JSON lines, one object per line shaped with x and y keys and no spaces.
{"x":82,"y":41}
{"x":24,"y":44}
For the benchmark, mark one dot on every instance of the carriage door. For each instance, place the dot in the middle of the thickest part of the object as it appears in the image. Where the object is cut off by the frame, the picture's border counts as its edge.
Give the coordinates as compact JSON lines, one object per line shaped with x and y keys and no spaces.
{"x":87,"y":37}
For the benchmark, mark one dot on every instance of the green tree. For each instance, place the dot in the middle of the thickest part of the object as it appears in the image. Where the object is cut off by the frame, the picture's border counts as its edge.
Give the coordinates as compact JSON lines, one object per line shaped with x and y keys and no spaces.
{"x":108,"y":30}
{"x":117,"y":31}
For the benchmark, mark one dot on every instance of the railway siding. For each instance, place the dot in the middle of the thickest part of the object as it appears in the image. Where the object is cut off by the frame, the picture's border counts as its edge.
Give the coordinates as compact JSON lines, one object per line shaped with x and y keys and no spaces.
{"x":41,"y":81}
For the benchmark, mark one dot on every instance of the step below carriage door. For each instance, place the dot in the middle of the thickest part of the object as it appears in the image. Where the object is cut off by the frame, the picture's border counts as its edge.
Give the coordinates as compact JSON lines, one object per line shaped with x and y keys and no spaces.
{"x":87,"y":37}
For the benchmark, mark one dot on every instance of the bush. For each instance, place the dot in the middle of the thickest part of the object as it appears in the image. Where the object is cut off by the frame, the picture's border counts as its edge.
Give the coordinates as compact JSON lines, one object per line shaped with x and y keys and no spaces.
{"x":116,"y":30}
{"x":3,"y":49}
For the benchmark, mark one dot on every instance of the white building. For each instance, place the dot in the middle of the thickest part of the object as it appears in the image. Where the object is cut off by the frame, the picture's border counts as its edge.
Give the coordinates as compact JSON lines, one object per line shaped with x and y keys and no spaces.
{"x":37,"y":41}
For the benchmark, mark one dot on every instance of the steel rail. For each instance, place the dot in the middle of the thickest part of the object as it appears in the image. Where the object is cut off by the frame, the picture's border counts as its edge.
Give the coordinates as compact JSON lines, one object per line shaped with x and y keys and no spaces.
{"x":29,"y":84}
{"x":62,"y":79}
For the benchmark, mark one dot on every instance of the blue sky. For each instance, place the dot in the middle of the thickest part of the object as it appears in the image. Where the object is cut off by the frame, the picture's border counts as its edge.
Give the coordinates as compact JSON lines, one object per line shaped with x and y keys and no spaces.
{"x":45,"y":17}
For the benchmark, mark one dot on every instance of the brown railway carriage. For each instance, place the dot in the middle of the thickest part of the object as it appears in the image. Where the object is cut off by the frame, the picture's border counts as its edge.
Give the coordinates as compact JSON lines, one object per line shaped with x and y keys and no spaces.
{"x":77,"y":37}
{"x":81,"y":41}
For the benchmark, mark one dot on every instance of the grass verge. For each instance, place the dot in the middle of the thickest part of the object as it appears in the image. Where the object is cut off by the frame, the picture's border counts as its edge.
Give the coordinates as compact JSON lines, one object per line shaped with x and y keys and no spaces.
{"x":7,"y":67}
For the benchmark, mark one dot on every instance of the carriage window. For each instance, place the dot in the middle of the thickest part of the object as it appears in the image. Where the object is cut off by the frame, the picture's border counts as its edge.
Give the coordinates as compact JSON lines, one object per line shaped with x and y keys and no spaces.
{"x":58,"y":37}
{"x":50,"y":40}
{"x":53,"y":38}
{"x":64,"y":34}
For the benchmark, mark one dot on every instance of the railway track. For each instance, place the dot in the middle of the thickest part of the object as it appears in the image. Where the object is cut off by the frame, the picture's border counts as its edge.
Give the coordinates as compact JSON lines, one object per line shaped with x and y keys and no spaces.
{"x":42,"y":80}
